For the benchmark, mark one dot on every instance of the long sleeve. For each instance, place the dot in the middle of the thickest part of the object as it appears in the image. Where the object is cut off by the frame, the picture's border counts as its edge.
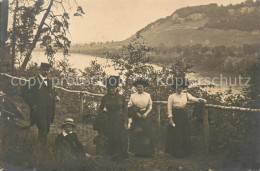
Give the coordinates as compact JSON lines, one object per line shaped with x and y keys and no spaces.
{"x":192,"y":98}
{"x":53,"y":94}
{"x":79,"y":145}
{"x":141,"y":101}
{"x":149,"y":106}
{"x":170,"y":99}
{"x":124,"y":108}
{"x":102,"y":105}
{"x":130,"y":103}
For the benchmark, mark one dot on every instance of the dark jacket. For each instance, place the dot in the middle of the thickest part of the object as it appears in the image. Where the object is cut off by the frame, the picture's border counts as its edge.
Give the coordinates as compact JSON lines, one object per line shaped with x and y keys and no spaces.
{"x":68,"y":147}
{"x":43,"y":97}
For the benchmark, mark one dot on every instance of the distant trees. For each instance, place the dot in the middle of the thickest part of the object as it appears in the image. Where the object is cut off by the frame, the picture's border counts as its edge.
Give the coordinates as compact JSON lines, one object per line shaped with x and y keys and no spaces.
{"x":245,"y":17}
{"x":221,"y":58}
{"x":205,"y":57}
{"x":184,"y":12}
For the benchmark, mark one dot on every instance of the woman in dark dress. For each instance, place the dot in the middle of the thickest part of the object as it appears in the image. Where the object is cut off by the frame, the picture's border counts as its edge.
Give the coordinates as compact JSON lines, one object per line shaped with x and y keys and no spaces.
{"x":140,"y":105}
{"x":113,"y":105}
{"x":178,"y":139}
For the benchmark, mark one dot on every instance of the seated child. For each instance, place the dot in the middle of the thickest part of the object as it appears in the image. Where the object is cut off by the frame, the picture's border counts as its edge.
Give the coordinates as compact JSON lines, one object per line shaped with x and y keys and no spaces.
{"x":67,"y":144}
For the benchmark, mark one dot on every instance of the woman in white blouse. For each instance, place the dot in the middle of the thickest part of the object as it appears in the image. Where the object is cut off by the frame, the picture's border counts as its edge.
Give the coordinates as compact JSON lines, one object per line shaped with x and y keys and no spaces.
{"x":140,"y":106}
{"x":178,"y":142}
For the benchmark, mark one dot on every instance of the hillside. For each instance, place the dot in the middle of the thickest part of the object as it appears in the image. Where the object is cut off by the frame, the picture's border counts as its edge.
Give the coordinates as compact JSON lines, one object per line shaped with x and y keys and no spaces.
{"x":210,"y":25}
{"x":221,"y":38}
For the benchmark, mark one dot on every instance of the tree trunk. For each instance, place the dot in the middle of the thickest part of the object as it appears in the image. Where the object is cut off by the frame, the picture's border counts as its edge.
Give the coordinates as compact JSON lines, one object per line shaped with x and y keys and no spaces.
{"x":4,"y":25}
{"x":36,"y":38}
{"x":14,"y":38}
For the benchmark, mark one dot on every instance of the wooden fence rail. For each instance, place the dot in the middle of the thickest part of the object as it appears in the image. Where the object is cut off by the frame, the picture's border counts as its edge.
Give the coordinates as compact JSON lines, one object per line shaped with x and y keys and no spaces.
{"x":158,"y":109}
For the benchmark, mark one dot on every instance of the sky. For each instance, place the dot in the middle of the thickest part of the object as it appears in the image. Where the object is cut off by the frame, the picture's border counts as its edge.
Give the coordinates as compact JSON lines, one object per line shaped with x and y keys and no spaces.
{"x":107,"y":20}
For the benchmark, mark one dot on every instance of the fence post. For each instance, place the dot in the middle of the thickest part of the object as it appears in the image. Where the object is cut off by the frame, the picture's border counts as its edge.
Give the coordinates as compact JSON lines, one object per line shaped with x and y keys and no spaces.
{"x":81,"y":103}
{"x":206,"y":129}
{"x":158,"y":126}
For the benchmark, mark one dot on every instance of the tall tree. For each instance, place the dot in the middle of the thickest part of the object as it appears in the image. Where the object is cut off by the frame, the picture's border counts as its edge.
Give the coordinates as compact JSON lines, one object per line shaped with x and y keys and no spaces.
{"x":51,"y":32}
{"x":4,"y":22}
{"x":13,"y":36}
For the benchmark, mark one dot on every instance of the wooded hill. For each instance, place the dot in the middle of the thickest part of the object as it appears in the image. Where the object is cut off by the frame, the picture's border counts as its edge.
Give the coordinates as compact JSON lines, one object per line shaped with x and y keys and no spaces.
{"x":229,"y":35}
{"x":209,"y":25}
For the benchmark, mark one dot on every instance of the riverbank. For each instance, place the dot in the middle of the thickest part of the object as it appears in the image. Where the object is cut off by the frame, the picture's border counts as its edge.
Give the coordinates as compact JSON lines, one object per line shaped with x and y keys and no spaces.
{"x":80,"y":60}
{"x":204,"y":72}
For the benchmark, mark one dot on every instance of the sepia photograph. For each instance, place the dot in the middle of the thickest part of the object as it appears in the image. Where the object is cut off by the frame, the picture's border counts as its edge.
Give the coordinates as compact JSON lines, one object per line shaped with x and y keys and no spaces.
{"x":130,"y":85}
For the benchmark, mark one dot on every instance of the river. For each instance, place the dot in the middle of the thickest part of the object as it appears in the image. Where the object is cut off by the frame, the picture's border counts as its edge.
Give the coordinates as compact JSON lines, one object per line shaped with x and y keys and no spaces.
{"x":80,"y":61}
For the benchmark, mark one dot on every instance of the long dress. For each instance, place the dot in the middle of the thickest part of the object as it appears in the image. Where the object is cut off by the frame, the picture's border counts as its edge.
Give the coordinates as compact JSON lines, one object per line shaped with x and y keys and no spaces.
{"x":114,"y":106}
{"x":141,"y":139}
{"x":178,"y":139}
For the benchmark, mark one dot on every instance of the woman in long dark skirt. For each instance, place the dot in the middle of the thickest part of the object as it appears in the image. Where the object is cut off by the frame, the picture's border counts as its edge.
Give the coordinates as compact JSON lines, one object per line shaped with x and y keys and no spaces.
{"x":140,"y":105}
{"x":113,"y":105}
{"x":178,"y":139}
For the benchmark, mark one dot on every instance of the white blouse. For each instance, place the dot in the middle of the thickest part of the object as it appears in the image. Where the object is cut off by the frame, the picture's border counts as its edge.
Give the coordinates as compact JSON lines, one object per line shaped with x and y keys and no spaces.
{"x":142,"y":101}
{"x":179,"y":101}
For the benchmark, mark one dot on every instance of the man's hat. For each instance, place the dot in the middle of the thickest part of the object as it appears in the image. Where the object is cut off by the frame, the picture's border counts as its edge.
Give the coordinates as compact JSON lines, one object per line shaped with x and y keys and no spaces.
{"x":45,"y":66}
{"x":68,"y":121}
{"x":141,"y":81}
{"x":112,"y":81}
{"x":180,"y":82}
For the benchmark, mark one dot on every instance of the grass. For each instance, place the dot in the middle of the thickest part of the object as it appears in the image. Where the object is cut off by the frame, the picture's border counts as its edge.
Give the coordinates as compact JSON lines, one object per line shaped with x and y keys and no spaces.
{"x":20,"y":153}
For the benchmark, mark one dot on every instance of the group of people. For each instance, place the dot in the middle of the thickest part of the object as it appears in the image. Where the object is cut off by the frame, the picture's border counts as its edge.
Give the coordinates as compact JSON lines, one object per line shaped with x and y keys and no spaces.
{"x":114,"y":111}
{"x":113,"y":118}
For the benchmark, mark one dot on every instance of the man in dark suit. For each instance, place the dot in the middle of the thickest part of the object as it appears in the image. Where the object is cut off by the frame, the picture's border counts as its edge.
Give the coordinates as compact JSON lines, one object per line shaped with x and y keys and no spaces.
{"x":39,"y":94}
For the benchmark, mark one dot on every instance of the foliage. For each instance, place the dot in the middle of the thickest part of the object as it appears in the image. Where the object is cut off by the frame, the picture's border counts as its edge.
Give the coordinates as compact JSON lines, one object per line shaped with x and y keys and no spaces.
{"x":87,"y":82}
{"x":51,"y":32}
{"x":232,"y":59}
{"x":95,"y":71}
{"x":94,"y":74}
{"x":253,"y":91}
{"x":65,"y":68}
{"x":243,"y":16}
{"x":21,"y":149}
{"x":220,"y":58}
{"x":25,"y":24}
{"x":160,"y":80}
{"x":233,"y":133}
{"x":132,"y":60}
